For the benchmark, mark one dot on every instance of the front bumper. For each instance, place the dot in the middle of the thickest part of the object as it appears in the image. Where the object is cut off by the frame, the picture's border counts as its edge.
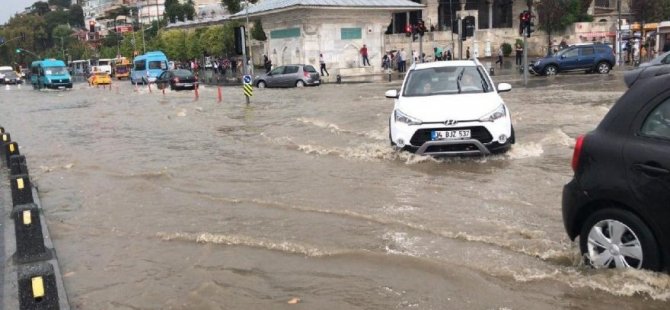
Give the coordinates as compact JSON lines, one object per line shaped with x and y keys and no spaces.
{"x":534,"y":70}
{"x":483,"y":138}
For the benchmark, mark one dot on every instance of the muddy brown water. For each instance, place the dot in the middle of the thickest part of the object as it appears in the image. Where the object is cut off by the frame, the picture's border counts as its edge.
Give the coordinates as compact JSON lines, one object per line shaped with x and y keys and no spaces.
{"x":163,"y":202}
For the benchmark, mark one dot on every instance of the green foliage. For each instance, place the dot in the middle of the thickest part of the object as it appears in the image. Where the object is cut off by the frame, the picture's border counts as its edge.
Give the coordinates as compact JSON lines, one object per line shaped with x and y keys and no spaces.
{"x":176,"y":11}
{"x":61,"y":3}
{"x":507,"y":49}
{"x":40,"y":8}
{"x":233,"y":6}
{"x":556,"y":15}
{"x":257,"y":32}
{"x":76,"y":18}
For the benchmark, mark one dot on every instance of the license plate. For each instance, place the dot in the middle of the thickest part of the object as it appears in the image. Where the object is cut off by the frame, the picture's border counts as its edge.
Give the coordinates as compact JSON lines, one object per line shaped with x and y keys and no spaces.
{"x":61,"y":87}
{"x":450,"y":134}
{"x":188,"y":85}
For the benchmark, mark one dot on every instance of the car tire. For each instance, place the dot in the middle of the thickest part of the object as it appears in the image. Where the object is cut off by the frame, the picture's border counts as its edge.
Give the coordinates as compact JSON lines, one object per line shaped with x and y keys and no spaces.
{"x":261,"y":84}
{"x":300,"y":83}
{"x":603,"y":67}
{"x":600,"y":251}
{"x":550,"y":70}
{"x":391,"y":139}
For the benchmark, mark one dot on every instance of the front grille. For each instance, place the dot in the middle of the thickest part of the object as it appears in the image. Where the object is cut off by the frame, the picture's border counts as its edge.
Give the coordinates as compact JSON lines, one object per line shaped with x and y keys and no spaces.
{"x":477,"y":132}
{"x":451,"y":148}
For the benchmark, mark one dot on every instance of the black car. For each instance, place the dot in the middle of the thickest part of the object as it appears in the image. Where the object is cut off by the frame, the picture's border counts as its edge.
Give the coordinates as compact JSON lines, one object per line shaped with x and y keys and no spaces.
{"x":589,"y":57}
{"x":619,"y":199}
{"x":177,"y":79}
{"x":11,"y":78}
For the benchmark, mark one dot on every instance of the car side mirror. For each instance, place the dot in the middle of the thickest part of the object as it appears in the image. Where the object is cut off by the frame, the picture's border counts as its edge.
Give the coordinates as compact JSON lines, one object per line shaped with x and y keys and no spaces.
{"x":562,"y":56}
{"x":393,"y":93}
{"x":504,"y":87}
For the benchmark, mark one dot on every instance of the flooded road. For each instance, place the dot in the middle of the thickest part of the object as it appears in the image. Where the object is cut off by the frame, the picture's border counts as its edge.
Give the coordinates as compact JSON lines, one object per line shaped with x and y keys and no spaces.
{"x":163,"y":202}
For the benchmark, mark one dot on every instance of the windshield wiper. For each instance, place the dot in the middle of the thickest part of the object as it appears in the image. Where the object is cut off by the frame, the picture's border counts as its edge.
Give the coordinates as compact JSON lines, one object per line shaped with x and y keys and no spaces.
{"x":458,"y":81}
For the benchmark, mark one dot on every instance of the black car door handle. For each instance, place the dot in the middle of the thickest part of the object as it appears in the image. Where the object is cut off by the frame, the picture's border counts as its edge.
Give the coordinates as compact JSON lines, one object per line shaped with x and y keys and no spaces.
{"x":654,"y":170}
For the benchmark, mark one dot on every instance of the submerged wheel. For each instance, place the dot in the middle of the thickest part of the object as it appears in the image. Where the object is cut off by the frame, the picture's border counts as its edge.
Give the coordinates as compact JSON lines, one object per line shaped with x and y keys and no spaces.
{"x":603,"y":68}
{"x":550,"y":70}
{"x":615,"y":238}
{"x":261,"y":84}
{"x":299,"y":83}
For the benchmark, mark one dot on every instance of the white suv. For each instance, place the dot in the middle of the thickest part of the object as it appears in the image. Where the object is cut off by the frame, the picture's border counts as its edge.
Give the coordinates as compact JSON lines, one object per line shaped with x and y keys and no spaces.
{"x":450,"y":108}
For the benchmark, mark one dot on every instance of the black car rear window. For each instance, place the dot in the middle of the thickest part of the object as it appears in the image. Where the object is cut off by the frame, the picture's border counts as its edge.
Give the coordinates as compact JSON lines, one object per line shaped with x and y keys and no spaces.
{"x":309,"y":68}
{"x":183,"y":73}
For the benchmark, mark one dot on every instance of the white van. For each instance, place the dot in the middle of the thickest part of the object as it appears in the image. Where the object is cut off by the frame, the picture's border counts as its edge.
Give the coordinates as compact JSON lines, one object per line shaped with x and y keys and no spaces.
{"x":105,"y":65}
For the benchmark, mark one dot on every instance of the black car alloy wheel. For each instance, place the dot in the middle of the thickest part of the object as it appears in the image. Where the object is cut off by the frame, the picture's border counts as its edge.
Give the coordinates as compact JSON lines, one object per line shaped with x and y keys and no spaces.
{"x":615,"y":238}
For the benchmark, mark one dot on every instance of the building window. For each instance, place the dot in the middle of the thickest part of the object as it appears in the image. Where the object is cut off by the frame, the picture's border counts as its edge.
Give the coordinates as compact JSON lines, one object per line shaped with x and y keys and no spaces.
{"x":603,"y":3}
{"x":285,"y":33}
{"x":350,"y":33}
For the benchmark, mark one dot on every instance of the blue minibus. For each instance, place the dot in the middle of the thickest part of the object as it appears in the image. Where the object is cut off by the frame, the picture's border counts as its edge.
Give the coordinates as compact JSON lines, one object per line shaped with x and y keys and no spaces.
{"x":147,"y":67}
{"x":49,"y":73}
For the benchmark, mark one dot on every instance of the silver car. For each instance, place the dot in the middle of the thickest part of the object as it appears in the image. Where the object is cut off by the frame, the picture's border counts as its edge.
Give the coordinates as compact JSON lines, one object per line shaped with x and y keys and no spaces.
{"x":288,"y":76}
{"x":662,"y":59}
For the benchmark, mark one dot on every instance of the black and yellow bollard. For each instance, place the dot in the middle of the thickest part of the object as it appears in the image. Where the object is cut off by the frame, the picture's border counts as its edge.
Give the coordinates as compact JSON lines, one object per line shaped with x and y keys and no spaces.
{"x":17,"y":165}
{"x":37,"y":287}
{"x":4,"y":138}
{"x":11,"y":148}
{"x":29,"y":237}
{"x":2,"y":129}
{"x":22,"y":191}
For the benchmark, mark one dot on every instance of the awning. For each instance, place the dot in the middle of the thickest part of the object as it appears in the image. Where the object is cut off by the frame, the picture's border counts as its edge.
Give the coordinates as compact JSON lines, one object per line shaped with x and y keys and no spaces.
{"x":648,"y":26}
{"x":598,"y":34}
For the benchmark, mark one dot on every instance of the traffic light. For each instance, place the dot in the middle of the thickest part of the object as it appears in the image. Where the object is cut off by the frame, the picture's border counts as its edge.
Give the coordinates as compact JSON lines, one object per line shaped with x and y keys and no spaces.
{"x":421,"y":28}
{"x":239,"y":40}
{"x":408,"y":30}
{"x":524,"y":23}
{"x":468,"y":27}
{"x":530,"y":29}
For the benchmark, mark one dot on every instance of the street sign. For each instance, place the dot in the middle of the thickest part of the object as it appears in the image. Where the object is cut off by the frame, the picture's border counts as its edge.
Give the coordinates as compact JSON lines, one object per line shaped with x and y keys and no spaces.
{"x":247,"y":79}
{"x":248,"y":91}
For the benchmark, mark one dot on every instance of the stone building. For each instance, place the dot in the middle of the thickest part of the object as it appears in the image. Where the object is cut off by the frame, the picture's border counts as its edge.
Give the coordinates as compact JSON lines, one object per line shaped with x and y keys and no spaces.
{"x":299,"y":30}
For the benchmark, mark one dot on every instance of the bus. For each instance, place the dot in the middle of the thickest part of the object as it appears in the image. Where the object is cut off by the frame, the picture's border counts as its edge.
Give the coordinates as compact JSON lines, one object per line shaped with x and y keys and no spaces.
{"x":105,"y":65}
{"x":49,"y":73}
{"x":80,"y":67}
{"x":147,"y":67}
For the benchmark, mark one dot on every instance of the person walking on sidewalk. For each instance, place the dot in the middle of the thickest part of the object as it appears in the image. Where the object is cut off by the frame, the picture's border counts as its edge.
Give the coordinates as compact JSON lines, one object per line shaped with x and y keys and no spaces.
{"x":500,"y":57}
{"x":519,"y":54}
{"x":467,"y":53}
{"x":322,"y":63}
{"x":364,"y":54}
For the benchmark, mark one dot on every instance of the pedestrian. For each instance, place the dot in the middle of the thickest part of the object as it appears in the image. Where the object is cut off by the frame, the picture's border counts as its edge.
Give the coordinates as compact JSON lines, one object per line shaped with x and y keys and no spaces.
{"x":364,"y":54}
{"x":500,"y":56}
{"x":449,"y":54}
{"x":385,"y":62}
{"x":467,"y":53}
{"x":267,"y":63}
{"x":402,"y":60}
{"x":322,"y":64}
{"x":519,"y":54}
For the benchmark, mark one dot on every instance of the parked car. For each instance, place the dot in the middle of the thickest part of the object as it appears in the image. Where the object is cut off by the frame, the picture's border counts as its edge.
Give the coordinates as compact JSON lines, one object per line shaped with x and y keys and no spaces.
{"x":617,"y":201}
{"x":662,"y":59}
{"x":589,"y":57}
{"x":177,"y":79}
{"x":11,"y":77}
{"x":99,"y":78}
{"x":288,"y":76}
{"x":450,"y":108}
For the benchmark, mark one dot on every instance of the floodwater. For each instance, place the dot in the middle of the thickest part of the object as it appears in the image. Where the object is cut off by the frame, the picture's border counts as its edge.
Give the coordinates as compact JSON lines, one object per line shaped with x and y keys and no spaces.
{"x":297,"y":201}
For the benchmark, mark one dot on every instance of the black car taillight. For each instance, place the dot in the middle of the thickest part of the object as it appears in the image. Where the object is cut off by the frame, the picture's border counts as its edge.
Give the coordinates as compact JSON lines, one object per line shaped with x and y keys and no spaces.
{"x":579,"y":143}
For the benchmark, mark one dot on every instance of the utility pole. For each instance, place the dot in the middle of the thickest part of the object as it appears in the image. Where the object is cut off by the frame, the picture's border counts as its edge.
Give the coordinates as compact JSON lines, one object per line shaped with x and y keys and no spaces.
{"x":619,"y":37}
{"x":245,"y":43}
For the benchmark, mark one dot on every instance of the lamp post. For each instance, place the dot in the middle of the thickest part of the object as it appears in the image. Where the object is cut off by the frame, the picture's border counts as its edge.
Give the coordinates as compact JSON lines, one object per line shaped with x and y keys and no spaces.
{"x":619,"y":58}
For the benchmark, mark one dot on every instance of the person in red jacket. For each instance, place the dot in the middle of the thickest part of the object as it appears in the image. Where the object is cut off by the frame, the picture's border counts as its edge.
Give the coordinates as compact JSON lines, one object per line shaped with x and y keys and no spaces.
{"x":364,"y":54}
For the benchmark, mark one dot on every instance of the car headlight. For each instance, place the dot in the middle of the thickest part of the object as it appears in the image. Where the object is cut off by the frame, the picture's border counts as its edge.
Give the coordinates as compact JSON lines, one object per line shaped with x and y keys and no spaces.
{"x":537,"y":63}
{"x":499,"y":112}
{"x":404,"y":118}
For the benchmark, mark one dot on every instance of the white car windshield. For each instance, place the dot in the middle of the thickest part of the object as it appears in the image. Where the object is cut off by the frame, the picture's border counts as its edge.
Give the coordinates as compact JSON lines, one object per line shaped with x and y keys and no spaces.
{"x":446,"y":80}
{"x":55,"y":70}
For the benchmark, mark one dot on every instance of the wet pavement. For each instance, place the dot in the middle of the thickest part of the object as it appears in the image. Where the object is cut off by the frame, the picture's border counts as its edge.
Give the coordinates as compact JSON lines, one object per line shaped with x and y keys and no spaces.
{"x":167,"y":202}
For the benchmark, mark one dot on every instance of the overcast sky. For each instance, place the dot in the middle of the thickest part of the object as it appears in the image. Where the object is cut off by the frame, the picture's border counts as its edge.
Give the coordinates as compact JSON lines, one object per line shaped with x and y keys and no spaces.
{"x":10,"y":7}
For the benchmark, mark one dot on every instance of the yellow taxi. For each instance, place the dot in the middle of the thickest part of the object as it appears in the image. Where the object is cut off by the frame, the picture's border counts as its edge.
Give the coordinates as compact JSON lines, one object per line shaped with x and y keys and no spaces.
{"x":99,"y":78}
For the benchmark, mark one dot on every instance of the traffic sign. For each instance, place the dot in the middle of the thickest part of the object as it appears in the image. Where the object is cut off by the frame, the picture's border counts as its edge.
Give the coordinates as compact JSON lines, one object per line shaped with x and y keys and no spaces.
{"x":247,"y":79}
{"x":248,"y":91}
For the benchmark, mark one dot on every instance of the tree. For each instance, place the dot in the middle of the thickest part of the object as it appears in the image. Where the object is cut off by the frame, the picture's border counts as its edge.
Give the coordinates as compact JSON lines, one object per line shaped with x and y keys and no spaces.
{"x":40,"y":8}
{"x":173,"y":43}
{"x":61,"y":3}
{"x":76,"y":16}
{"x":554,"y":16}
{"x":650,"y":10}
{"x":233,"y":6}
{"x":188,"y":10}
{"x":257,"y":32}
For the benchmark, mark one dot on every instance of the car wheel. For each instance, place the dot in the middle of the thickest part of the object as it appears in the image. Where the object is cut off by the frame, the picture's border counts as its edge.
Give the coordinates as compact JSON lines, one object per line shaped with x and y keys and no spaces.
{"x":299,"y":83}
{"x":390,"y":139}
{"x":615,"y":238}
{"x":603,"y":68}
{"x":261,"y":84}
{"x":550,"y":70}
